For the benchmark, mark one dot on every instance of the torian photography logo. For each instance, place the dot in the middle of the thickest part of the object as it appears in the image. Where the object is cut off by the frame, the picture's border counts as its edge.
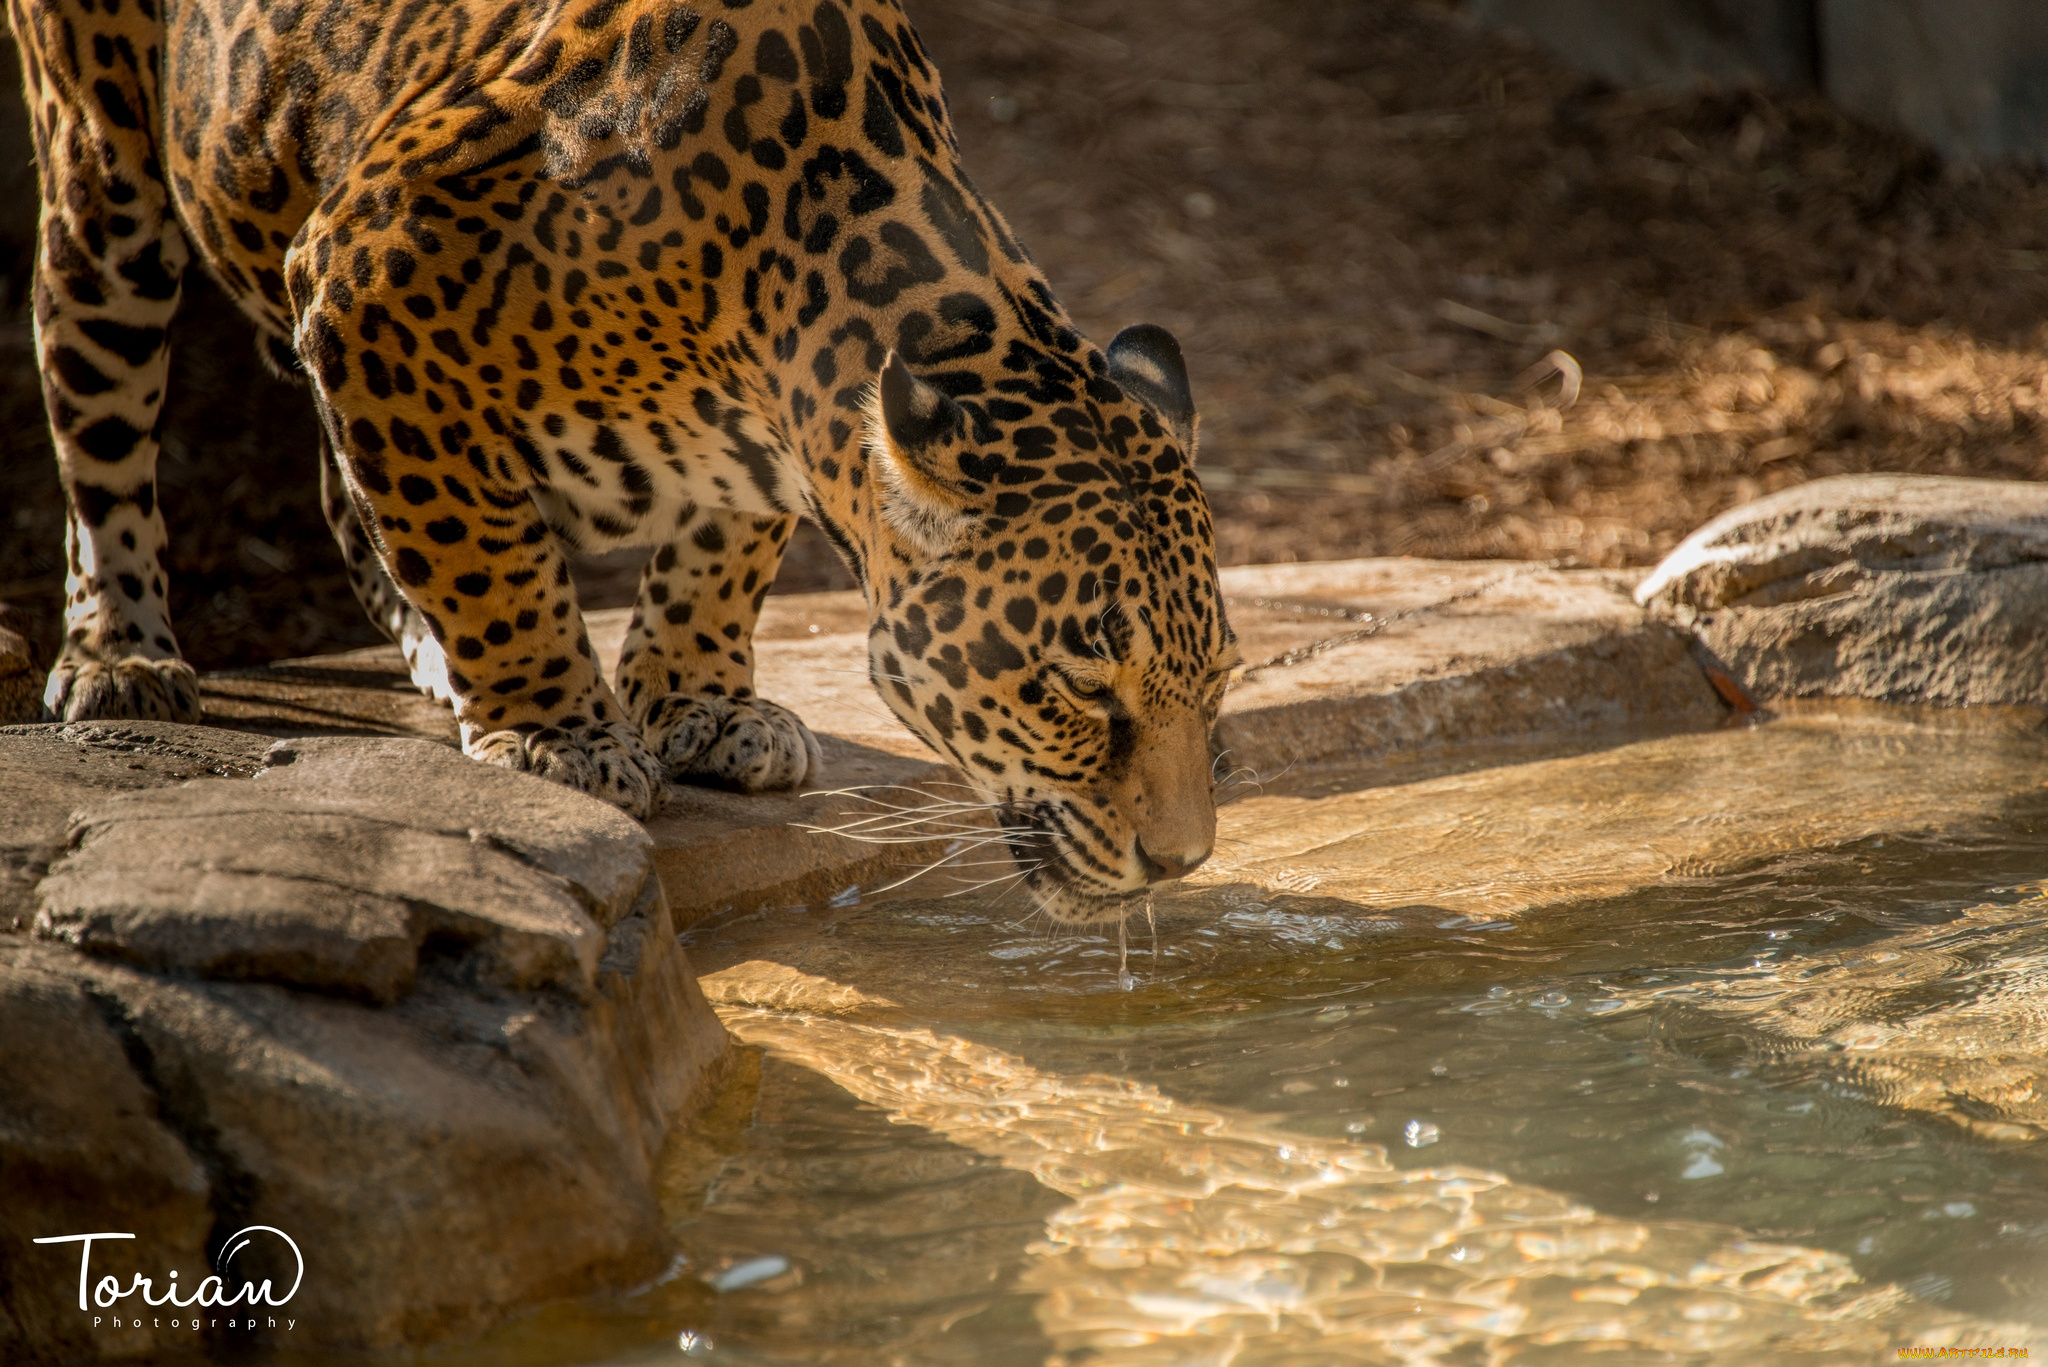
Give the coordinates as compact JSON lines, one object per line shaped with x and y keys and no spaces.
{"x":238,"y":1298}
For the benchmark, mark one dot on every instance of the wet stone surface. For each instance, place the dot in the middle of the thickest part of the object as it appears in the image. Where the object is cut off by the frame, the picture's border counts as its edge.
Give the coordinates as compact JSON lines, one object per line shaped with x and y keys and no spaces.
{"x":1719,"y":1047}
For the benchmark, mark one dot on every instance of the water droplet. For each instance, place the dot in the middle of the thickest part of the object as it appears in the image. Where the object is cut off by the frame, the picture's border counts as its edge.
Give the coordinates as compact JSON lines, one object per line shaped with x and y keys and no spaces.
{"x":748,"y":1272}
{"x":1340,"y":1082}
{"x":1551,"y":1001}
{"x":1702,"y":1165}
{"x":1357,"y":1126}
{"x":1420,"y":1134}
{"x":1438,"y":1070}
{"x":692,"y":1343}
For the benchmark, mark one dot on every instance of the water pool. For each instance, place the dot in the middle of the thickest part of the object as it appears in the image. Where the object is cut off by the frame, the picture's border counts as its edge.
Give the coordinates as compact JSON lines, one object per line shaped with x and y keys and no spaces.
{"x":1728,"y":1047}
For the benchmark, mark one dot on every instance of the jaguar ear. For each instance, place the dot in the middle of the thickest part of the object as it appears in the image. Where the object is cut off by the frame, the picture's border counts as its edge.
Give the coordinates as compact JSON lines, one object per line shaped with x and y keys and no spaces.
{"x":912,"y":430}
{"x":1146,"y":362}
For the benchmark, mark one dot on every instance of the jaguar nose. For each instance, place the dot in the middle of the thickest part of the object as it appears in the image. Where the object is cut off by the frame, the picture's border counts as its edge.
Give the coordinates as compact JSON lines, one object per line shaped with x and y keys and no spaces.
{"x":1163,"y":865}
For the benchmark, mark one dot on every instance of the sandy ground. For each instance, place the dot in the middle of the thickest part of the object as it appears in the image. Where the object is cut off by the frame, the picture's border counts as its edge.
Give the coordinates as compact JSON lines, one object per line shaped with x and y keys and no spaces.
{"x":1369,"y":223}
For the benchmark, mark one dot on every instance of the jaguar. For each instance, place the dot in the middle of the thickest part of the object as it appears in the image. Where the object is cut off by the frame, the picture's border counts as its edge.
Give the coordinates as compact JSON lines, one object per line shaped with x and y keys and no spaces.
{"x":575,"y":275}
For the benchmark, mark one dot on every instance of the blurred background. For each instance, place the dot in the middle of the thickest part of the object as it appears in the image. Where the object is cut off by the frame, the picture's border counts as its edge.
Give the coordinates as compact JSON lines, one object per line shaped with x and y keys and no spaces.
{"x":1760,"y":241}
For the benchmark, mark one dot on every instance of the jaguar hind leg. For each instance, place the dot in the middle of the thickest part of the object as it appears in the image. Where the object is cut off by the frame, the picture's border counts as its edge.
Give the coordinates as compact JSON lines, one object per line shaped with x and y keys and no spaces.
{"x":687,"y":671}
{"x":110,"y":259}
{"x":380,"y":598}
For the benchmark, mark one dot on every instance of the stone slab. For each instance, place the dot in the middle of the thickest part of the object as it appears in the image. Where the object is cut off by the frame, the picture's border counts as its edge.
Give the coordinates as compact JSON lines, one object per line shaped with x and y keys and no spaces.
{"x":443,"y":1161}
{"x":1426,"y":654}
{"x":1349,"y":661}
{"x":80,"y":1130}
{"x":1900,"y":588}
{"x":48,"y":772}
{"x":334,"y":866}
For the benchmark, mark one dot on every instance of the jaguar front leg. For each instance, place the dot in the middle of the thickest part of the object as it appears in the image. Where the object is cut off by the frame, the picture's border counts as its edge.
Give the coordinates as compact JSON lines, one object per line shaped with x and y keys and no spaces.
{"x":463,"y":542}
{"x":687,"y":671}
{"x":109,"y":264}
{"x":472,"y":555}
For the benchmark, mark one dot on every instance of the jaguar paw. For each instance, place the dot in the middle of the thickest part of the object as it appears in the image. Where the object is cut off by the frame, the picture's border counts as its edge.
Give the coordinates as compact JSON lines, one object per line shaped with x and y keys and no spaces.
{"x":82,"y":688}
{"x":750,"y":745}
{"x":608,"y":761}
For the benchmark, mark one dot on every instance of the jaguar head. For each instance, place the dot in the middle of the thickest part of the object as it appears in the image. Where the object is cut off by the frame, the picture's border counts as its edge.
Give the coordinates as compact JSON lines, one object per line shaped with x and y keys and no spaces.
{"x":1045,"y":610}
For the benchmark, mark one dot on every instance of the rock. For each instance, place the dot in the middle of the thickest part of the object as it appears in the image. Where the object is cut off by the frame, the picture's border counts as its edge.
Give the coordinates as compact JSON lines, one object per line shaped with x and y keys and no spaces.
{"x":1903,"y":588}
{"x":472,"y":1029}
{"x":335,"y":866}
{"x":21,"y":670}
{"x":83,"y":1151}
{"x":48,"y":772}
{"x":1354,"y":661}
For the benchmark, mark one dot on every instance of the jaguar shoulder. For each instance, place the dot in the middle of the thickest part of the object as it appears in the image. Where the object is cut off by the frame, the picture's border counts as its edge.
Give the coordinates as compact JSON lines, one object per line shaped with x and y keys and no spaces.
{"x":636,"y":272}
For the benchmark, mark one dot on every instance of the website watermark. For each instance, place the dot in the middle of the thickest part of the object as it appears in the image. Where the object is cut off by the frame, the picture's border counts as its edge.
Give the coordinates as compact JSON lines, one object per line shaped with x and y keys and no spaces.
{"x":1935,"y":1354}
{"x":239,"y":1297}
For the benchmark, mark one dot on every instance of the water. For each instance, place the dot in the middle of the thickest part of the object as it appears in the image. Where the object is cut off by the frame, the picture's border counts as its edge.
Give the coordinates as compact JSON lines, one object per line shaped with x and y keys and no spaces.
{"x":1716,"y":1048}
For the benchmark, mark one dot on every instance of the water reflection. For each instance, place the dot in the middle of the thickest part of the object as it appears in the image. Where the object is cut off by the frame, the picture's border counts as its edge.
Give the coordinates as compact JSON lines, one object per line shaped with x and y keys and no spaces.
{"x":1725,"y":1048}
{"x":1499,"y":841}
{"x":1950,"y":1019}
{"x":1200,"y":1236}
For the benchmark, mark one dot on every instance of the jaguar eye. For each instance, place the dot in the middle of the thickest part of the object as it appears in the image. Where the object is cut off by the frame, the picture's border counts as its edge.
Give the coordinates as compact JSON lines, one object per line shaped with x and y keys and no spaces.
{"x":1087,"y":688}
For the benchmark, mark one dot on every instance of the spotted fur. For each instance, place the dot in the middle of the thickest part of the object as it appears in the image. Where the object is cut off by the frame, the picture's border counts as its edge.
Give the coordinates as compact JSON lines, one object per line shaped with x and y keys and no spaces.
{"x":593,"y":273}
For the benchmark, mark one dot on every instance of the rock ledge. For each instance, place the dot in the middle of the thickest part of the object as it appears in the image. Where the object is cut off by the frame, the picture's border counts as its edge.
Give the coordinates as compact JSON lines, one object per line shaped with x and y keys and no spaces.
{"x":428,"y":1017}
{"x":1901,"y":588}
